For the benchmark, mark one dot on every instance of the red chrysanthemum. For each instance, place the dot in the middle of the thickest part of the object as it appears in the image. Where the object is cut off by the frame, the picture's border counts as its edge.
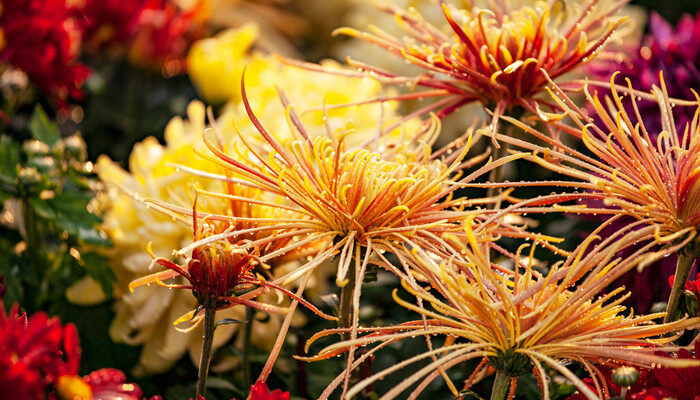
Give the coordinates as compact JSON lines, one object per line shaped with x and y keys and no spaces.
{"x":691,"y":286}
{"x":39,"y":355}
{"x":39,"y":38}
{"x":163,"y":33}
{"x":106,"y":22}
{"x":31,"y":353}
{"x":260,"y":391}
{"x":156,"y":33}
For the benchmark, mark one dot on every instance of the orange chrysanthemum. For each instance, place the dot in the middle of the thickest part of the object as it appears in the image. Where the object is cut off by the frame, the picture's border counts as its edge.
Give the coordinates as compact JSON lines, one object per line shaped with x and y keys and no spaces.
{"x":657,"y":182}
{"x":524,"y":320}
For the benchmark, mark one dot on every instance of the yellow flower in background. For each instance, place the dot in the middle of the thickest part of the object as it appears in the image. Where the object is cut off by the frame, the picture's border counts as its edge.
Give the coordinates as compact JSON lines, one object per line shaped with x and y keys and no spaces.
{"x":216,"y":65}
{"x":210,"y":65}
{"x":145,"y":318}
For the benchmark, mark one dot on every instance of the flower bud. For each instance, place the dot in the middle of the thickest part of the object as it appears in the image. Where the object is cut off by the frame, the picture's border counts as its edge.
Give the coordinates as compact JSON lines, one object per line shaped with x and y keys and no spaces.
{"x":42,"y":164}
{"x":625,"y":376}
{"x":28,"y":176}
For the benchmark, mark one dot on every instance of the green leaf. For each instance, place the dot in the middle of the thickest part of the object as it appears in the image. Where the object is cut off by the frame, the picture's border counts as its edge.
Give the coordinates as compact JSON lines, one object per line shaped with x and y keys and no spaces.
{"x":229,"y":321}
{"x":43,"y":209}
{"x":97,"y":266}
{"x":214,"y":382}
{"x":71,"y":215}
{"x":43,"y":128}
{"x":9,"y":159}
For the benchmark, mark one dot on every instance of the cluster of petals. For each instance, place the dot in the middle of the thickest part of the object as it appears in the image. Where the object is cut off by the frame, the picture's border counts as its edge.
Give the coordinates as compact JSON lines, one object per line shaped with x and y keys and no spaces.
{"x":40,"y":38}
{"x":39,"y":355}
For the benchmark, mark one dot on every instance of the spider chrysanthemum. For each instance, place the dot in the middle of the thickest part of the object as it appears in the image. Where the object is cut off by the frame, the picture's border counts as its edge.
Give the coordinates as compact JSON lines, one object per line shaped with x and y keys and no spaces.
{"x":523,"y":321}
{"x":492,"y":52}
{"x":219,"y":273}
{"x":358,"y":204}
{"x":653,"y":177}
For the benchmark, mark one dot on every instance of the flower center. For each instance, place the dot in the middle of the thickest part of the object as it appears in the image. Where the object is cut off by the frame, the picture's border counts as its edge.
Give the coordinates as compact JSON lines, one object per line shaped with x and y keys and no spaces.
{"x":72,"y":387}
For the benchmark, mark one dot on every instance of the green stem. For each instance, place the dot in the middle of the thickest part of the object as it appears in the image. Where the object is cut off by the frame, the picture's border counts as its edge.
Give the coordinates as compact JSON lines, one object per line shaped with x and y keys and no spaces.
{"x":209,"y":326}
{"x":346,"y":294}
{"x":30,"y":226}
{"x":247,"y":336}
{"x":683,"y":267}
{"x":500,"y":386}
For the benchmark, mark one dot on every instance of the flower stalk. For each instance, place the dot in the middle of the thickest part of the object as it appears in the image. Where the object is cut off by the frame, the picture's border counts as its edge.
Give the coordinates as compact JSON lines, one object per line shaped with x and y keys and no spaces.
{"x":686,"y":259}
{"x":501,"y":385}
{"x":247,"y":343}
{"x":345,"y":312}
{"x":499,"y":151}
{"x":209,"y":327}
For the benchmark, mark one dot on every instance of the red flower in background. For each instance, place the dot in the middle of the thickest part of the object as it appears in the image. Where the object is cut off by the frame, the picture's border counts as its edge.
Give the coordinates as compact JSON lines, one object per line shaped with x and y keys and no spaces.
{"x":38,"y":354}
{"x":164,"y":32}
{"x":691,"y":286}
{"x":155,"y":33}
{"x":658,"y":383}
{"x":260,"y":391}
{"x":31,"y":353}
{"x":108,"y":22}
{"x":38,"y":37}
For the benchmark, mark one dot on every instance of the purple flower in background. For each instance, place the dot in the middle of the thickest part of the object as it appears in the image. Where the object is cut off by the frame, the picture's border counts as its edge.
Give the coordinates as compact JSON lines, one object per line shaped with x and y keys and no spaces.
{"x":676,"y":52}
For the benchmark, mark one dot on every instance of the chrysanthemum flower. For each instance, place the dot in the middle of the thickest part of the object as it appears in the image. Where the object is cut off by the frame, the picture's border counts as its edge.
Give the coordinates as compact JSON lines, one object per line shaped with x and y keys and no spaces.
{"x":39,"y":38}
{"x":30,"y":352}
{"x":260,"y":391}
{"x":155,"y":33}
{"x":39,"y":355}
{"x":358,"y":203}
{"x":493,"y":53}
{"x":524,"y":321}
{"x":656,"y":181}
{"x":145,"y":317}
{"x":674,"y":51}
{"x":163,"y":33}
{"x":353,"y":199}
{"x":215,"y":272}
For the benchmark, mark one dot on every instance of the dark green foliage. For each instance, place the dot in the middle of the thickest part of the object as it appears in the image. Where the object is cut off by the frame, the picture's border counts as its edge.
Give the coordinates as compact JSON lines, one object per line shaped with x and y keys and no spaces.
{"x":49,"y":233}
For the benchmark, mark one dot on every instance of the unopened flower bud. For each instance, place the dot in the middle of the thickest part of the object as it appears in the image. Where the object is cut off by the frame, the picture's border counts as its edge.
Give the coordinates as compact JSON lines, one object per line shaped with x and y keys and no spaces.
{"x":28,"y":176}
{"x":625,"y":376}
{"x":42,"y":164}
